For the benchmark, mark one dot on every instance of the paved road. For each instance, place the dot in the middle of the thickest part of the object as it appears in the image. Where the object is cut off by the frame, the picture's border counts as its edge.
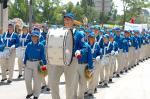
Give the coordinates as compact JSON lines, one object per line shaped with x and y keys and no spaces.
{"x":133,"y":85}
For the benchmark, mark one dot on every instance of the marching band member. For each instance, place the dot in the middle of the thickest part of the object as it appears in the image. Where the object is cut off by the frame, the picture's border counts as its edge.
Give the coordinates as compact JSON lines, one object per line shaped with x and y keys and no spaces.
{"x":108,"y":47}
{"x":11,"y":41}
{"x":136,"y":47}
{"x":34,"y":53}
{"x":136,"y":33}
{"x":70,"y":72}
{"x":84,"y":56}
{"x":118,"y":38}
{"x":2,"y":60}
{"x":99,"y":39}
{"x":95,"y":52}
{"x":112,"y":58}
{"x":25,"y":38}
{"x":126,"y":45}
{"x":131,"y":50}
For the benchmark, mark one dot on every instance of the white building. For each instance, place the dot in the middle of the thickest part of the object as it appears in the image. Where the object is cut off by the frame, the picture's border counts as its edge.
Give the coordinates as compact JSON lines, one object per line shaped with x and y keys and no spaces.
{"x":100,"y":4}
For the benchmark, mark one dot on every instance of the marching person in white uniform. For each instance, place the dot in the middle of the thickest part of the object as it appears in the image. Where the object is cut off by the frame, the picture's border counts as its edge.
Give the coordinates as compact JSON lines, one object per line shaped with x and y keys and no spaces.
{"x":11,"y":41}
{"x":24,"y":38}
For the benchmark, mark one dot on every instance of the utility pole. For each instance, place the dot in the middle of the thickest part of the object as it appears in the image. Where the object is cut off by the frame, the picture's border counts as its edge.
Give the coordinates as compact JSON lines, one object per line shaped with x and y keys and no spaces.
{"x":1,"y":16}
{"x":103,"y":11}
{"x":30,"y":14}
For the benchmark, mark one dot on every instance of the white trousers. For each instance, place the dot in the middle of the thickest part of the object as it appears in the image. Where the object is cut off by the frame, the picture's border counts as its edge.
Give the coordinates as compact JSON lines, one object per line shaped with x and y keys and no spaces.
{"x":31,"y":73}
{"x":8,"y":64}
{"x":93,"y":83}
{"x":70,"y":73}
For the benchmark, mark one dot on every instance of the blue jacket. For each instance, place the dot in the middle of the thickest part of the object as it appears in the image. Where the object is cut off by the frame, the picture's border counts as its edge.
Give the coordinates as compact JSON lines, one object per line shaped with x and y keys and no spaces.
{"x":77,"y":36}
{"x":86,"y":55}
{"x":44,"y":34}
{"x":27,"y":38}
{"x":14,"y":39}
{"x":2,"y":45}
{"x":119,"y":39}
{"x":135,"y":42}
{"x":143,"y":39}
{"x":139,"y":41}
{"x":35,"y":51}
{"x":99,"y":39}
{"x":95,"y":50}
{"x":107,"y":49}
{"x":115,"y":46}
{"x":126,"y":44}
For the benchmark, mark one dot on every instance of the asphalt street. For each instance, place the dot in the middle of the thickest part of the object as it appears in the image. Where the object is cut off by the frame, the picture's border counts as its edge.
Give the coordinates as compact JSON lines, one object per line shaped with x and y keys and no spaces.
{"x":132,"y":85}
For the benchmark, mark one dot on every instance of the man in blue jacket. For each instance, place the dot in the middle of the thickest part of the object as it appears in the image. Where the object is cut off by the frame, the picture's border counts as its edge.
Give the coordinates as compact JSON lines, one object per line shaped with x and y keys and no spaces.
{"x":70,"y":72}
{"x":84,"y":56}
{"x":34,"y":53}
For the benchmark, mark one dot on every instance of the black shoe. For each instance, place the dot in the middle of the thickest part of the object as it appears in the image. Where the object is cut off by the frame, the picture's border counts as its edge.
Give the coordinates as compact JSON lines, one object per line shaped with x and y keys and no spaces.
{"x":105,"y":85}
{"x":19,"y":76}
{"x":29,"y":96}
{"x":132,"y":66}
{"x":117,"y":75}
{"x":129,"y":68}
{"x":3,"y":80}
{"x":110,"y":80}
{"x":9,"y":81}
{"x":126,"y":70}
{"x":90,"y":95}
{"x":100,"y":83}
{"x":95,"y":90}
{"x":35,"y":97}
{"x":121,"y":72}
{"x":86,"y":93}
{"x":43,"y":87}
{"x":47,"y":89}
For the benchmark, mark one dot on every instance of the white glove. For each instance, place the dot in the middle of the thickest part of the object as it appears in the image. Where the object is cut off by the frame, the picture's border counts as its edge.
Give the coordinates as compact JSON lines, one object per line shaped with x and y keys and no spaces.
{"x":78,"y":52}
{"x":13,"y":46}
{"x":98,"y":58}
{"x":116,"y":53}
{"x":130,"y":43}
{"x":112,"y":52}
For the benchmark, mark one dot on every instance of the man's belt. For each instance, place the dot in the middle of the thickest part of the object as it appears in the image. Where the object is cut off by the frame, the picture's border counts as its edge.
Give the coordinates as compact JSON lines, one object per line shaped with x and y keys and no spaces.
{"x":33,"y":60}
{"x":82,"y":62}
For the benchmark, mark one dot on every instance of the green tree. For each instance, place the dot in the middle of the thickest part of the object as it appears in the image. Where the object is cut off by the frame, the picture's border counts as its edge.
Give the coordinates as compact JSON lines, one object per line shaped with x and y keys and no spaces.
{"x":132,"y":8}
{"x":19,"y":9}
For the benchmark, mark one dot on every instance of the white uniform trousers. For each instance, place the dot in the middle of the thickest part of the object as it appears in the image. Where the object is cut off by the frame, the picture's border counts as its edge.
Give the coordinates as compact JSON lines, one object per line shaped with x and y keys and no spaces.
{"x":10,"y":64}
{"x":20,"y":65}
{"x":70,"y":73}
{"x":95,"y":79}
{"x":126,"y":60}
{"x":31,"y":73}
{"x":81,"y":82}
{"x":3,"y":67}
{"x":112,"y":62}
{"x":119,"y":62}
{"x":105,"y":62}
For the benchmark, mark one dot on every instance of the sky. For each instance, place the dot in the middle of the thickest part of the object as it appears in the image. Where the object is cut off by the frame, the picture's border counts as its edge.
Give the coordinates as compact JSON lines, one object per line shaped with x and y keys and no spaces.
{"x":118,"y":4}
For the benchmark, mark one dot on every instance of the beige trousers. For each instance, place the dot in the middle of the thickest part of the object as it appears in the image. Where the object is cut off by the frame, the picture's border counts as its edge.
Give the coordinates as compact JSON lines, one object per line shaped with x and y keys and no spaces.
{"x":70,"y":73}
{"x":31,"y":73}
{"x":94,"y":81}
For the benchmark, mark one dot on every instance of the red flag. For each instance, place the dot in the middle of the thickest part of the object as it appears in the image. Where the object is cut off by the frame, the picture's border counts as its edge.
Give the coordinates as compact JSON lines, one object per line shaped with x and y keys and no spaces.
{"x":132,"y":20}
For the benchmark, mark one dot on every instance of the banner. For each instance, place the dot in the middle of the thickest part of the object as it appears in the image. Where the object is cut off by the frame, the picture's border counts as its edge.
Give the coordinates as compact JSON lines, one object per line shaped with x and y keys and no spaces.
{"x":140,"y":27}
